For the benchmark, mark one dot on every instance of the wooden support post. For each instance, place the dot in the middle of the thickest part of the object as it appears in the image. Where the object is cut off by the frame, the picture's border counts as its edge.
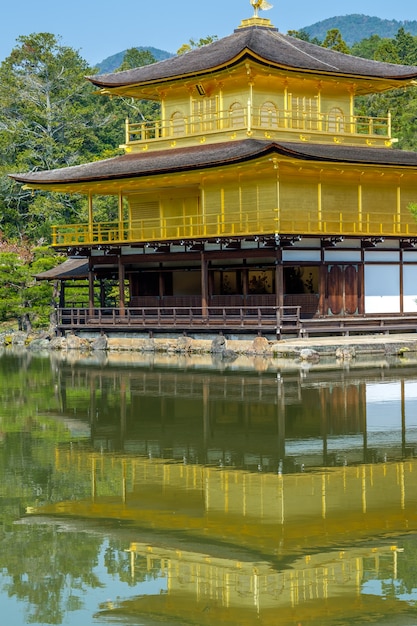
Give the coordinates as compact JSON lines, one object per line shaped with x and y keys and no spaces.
{"x":279,"y":281}
{"x":323,"y":305}
{"x":90,"y":217}
{"x":62,"y":295}
{"x":121,"y":221}
{"x":90,"y":287}
{"x":204,"y":286}
{"x":102,"y":294}
{"x":122,"y":304}
{"x":361,"y":286}
{"x":161,"y":286}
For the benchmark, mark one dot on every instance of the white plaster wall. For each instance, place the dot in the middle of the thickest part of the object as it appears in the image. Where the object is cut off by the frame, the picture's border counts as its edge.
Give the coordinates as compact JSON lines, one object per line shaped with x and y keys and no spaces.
{"x":301,"y":255}
{"x":382,"y":289}
{"x":342,"y":256}
{"x":410,"y":288}
{"x":382,"y":256}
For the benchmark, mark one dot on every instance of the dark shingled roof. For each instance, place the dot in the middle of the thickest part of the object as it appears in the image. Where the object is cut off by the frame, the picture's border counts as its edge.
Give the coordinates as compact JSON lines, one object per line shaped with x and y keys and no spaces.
{"x":71,"y":269}
{"x":143,"y":164}
{"x":268,"y":44}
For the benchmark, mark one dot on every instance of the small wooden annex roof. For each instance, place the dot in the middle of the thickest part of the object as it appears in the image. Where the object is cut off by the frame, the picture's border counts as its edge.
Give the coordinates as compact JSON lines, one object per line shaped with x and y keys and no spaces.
{"x":266,"y":46}
{"x":138,"y":165}
{"x":70,"y":269}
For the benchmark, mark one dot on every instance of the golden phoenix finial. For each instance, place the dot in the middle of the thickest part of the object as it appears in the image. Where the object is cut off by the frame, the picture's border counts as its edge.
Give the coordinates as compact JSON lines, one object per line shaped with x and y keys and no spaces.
{"x":260,"y":5}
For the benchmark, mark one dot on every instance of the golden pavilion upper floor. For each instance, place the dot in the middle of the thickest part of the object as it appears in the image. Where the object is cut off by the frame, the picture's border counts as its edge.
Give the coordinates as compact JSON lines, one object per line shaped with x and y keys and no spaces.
{"x":257,"y":83}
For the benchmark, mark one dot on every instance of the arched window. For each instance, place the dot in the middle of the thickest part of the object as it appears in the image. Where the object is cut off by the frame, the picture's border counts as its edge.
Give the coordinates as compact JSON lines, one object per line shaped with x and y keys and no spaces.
{"x":336,"y":121}
{"x":237,"y":115}
{"x":177,"y":123}
{"x":268,"y":115}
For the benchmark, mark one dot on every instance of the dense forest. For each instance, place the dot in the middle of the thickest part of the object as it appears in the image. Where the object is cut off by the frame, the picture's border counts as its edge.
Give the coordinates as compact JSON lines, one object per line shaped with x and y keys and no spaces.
{"x":50,"y":117}
{"x":356,"y":26}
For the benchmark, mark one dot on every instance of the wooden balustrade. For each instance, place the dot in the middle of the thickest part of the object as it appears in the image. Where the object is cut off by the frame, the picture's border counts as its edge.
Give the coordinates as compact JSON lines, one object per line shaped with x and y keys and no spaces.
{"x":167,"y":316}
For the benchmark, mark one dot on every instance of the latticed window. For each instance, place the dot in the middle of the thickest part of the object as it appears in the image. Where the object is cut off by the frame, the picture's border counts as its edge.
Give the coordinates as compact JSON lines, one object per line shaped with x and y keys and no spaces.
{"x":304,"y":112}
{"x":336,"y":121}
{"x":177,"y":123}
{"x":144,"y":217}
{"x":237,"y":115}
{"x":268,"y":115}
{"x":204,"y":114}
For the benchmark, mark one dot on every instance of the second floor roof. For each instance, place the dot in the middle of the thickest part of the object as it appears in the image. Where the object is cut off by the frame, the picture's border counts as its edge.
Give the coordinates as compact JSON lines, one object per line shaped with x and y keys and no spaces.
{"x":195,"y":158}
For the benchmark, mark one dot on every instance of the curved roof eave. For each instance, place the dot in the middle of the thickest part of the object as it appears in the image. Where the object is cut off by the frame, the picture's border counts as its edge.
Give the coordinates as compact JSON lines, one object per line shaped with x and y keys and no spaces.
{"x":130,"y":88}
{"x":193,"y":159}
{"x":264,"y":45}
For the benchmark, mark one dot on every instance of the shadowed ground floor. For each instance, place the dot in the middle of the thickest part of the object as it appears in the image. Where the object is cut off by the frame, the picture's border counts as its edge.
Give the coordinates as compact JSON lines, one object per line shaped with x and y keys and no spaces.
{"x":276,"y":285}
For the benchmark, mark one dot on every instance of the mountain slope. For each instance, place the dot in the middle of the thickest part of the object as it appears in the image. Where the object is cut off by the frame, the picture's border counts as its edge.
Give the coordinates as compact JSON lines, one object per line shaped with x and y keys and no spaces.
{"x":356,"y":27}
{"x":111,"y":63}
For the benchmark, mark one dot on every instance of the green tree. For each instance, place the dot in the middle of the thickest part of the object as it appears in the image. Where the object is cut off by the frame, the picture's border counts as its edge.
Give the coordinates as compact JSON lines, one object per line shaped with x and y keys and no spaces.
{"x":304,"y":36}
{"x":386,"y":52}
{"x":134,"y":57}
{"x":406,"y":46}
{"x":334,"y":41}
{"x":49,"y":118}
{"x":138,"y":110}
{"x":203,"y":41}
{"x":13,"y":279}
{"x":402,"y":103}
{"x":22,"y":298}
{"x":367,"y":47}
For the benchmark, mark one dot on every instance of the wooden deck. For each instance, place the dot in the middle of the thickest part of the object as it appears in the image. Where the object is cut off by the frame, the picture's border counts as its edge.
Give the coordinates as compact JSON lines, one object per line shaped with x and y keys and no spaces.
{"x":279,"y":321}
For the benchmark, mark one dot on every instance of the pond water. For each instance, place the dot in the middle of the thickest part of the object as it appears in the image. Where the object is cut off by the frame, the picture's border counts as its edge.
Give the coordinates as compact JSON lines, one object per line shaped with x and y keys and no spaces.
{"x":164,"y":490}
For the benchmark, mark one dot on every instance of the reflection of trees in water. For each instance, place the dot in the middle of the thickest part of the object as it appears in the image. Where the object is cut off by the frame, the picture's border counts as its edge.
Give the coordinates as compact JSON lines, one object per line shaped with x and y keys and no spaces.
{"x":406,"y":570}
{"x":52,"y":570}
{"x":49,"y":570}
{"x":118,"y":564}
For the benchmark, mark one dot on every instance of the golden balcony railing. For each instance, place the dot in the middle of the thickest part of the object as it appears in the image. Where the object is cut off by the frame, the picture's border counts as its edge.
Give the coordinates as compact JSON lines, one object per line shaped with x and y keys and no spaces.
{"x":258,"y":120}
{"x":233,"y":224}
{"x":167,"y":228}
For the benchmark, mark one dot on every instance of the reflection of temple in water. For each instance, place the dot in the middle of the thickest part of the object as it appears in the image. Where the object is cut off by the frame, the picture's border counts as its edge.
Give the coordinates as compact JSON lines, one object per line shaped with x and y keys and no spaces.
{"x":265,"y":489}
{"x":234,"y":546}
{"x":242,"y":419}
{"x":222,"y":590}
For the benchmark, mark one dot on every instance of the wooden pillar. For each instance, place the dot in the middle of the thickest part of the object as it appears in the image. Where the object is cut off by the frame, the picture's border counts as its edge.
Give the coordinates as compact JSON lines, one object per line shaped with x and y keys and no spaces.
{"x":279,"y":280}
{"x":121,"y":268}
{"x":245,"y":282}
{"x":204,"y":285}
{"x":361,"y":285}
{"x":210,"y":285}
{"x":323,"y":305}
{"x":161,"y":287}
{"x":90,"y":216}
{"x":62,"y":295}
{"x":102,"y":294}
{"x":90,"y":286}
{"x":121,"y":222}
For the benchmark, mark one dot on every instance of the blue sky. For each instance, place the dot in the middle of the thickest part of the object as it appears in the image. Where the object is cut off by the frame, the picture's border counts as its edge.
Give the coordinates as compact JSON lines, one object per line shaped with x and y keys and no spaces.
{"x":99,"y":29}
